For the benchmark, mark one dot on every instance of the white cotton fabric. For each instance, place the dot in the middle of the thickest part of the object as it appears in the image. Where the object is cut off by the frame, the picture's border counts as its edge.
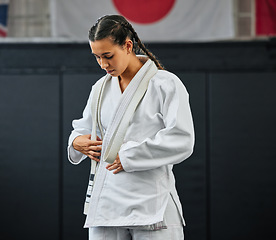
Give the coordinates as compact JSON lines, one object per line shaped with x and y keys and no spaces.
{"x":159,"y":135}
{"x":172,"y":231}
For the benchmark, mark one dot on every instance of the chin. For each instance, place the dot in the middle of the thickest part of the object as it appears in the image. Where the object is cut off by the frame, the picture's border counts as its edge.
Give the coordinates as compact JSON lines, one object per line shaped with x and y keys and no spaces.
{"x":114,"y":74}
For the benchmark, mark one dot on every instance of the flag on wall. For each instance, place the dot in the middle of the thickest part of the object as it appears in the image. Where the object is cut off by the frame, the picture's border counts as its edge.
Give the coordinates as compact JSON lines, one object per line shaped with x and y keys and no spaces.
{"x":154,"y":20}
{"x":3,"y":17}
{"x":265,"y":17}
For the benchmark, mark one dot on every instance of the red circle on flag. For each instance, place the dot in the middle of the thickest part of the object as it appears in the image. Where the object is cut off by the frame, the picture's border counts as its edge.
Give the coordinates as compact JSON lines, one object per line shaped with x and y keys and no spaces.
{"x":144,"y":11}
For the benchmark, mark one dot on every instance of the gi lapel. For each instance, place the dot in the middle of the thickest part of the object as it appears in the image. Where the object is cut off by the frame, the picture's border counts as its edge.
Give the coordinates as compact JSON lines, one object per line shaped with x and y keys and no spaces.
{"x":125,"y":110}
{"x":96,"y":104}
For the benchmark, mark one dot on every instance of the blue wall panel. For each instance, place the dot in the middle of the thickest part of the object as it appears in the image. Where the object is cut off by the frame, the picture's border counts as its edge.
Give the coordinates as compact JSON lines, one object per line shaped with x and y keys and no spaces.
{"x":243,"y":154}
{"x":29,"y":157}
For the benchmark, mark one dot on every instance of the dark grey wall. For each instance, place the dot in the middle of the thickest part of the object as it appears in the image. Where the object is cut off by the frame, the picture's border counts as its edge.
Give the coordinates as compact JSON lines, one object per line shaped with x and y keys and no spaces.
{"x":227,"y":187}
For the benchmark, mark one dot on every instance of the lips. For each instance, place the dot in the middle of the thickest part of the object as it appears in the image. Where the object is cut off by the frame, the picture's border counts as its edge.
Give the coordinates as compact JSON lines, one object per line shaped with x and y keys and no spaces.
{"x":109,"y":71}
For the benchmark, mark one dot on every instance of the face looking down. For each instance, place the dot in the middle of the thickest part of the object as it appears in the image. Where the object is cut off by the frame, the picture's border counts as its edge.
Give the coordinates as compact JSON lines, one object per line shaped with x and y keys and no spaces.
{"x":113,"y":58}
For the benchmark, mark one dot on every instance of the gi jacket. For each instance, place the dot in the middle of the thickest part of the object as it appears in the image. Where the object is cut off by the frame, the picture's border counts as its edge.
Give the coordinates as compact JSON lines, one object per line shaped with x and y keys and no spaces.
{"x":159,"y":135}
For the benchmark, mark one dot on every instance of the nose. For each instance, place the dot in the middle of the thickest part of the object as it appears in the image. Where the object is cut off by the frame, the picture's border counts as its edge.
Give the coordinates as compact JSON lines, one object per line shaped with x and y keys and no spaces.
{"x":103,"y":63}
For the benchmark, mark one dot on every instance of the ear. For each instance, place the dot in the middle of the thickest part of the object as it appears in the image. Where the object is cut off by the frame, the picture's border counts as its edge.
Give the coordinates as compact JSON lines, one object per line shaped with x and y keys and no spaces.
{"x":129,"y":45}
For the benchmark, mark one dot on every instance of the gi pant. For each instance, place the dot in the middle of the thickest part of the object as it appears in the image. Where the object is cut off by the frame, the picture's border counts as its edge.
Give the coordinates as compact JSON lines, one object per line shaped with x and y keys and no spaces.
{"x":174,"y":230}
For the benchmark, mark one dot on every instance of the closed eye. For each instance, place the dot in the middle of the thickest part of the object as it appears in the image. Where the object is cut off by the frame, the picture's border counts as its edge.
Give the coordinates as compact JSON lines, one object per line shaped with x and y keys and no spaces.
{"x":106,"y":57}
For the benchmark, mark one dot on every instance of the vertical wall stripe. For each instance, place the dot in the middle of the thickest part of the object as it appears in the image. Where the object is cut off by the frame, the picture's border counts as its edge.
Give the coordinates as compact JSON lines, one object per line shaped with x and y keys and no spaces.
{"x":208,"y":156}
{"x":61,"y":147}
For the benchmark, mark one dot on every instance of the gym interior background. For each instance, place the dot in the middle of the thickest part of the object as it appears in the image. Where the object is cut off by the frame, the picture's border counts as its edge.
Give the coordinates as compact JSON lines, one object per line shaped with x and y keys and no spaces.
{"x":227,"y":187}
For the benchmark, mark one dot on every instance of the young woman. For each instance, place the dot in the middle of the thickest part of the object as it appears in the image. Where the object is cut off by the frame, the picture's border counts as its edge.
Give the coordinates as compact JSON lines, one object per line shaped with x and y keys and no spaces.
{"x":142,"y":126}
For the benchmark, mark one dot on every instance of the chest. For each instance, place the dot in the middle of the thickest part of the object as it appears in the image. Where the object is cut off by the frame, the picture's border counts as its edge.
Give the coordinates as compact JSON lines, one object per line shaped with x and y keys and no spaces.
{"x":147,"y":118}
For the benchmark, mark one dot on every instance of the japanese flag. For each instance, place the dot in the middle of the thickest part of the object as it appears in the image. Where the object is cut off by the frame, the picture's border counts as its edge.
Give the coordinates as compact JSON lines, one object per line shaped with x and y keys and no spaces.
{"x":154,"y":20}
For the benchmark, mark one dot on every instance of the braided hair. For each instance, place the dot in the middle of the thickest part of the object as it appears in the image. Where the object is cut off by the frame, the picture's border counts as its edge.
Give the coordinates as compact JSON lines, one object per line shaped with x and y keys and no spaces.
{"x":119,"y":29}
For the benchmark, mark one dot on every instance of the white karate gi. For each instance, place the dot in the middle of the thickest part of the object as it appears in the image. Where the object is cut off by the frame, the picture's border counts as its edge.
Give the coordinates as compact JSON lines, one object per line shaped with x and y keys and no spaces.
{"x":159,"y":135}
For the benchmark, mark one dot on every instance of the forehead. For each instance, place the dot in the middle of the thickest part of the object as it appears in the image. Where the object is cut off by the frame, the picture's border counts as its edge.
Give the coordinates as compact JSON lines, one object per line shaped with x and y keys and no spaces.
{"x":99,"y":47}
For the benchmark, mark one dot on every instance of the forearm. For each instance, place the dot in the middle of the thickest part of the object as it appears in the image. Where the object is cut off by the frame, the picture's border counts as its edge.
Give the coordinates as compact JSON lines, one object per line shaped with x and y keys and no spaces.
{"x":154,"y":153}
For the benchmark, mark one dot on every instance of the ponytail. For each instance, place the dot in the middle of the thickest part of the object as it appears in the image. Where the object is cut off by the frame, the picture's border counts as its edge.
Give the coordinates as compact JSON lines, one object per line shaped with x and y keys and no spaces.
{"x":145,"y":50}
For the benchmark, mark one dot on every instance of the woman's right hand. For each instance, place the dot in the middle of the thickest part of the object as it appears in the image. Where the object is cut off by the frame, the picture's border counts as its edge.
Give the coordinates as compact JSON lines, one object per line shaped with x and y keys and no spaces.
{"x":86,"y":146}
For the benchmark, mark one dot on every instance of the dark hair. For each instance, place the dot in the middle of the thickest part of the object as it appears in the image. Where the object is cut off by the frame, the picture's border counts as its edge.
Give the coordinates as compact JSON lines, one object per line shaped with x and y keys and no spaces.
{"x":118,"y":29}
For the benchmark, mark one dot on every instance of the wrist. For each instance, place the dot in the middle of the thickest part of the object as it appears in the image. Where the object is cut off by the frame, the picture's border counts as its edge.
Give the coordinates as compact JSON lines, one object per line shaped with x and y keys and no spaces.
{"x":74,"y":145}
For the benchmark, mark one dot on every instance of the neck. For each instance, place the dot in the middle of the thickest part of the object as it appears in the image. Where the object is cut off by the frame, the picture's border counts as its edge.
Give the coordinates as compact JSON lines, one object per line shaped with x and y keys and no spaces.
{"x":133,"y":67}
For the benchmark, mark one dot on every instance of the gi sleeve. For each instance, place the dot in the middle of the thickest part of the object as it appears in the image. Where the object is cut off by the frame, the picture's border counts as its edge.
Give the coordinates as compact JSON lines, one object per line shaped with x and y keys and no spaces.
{"x":174,"y":142}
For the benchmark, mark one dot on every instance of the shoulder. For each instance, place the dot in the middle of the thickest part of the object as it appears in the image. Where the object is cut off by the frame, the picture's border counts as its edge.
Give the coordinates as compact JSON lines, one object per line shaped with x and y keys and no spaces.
{"x":97,"y":85}
{"x":99,"y":81}
{"x":167,"y":81}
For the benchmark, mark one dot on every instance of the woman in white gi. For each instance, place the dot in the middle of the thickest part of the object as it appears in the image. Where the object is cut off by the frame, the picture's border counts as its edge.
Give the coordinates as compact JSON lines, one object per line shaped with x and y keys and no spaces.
{"x":141,"y":125}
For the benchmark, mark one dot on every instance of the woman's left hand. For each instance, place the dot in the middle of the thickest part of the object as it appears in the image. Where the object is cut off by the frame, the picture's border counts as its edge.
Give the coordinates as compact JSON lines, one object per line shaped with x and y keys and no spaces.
{"x":115,"y":165}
